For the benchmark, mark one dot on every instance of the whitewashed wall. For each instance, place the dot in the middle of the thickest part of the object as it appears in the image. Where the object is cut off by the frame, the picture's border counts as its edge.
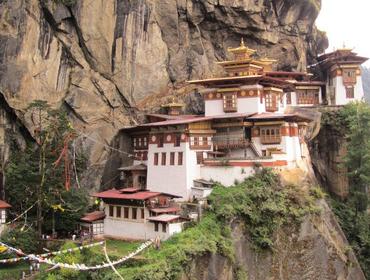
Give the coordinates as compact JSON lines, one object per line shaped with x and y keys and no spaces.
{"x":340,"y":91}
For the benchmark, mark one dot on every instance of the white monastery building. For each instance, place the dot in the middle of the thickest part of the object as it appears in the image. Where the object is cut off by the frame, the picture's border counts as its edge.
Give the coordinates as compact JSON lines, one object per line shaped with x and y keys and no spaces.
{"x":246,"y":124}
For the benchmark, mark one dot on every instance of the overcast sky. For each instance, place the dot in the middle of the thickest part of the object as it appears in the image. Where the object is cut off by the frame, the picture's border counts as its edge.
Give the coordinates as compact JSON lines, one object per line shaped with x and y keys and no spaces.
{"x":346,"y":22}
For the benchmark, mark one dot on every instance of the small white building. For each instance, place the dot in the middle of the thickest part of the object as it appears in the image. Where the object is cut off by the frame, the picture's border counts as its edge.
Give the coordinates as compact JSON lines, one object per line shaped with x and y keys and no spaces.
{"x":135,"y":214}
{"x":3,"y":214}
{"x":93,"y":223}
{"x":342,"y":74}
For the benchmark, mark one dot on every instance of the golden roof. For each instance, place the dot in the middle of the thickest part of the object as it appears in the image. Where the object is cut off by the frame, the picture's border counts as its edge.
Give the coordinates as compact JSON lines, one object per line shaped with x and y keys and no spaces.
{"x":241,"y":49}
{"x":173,"y":104}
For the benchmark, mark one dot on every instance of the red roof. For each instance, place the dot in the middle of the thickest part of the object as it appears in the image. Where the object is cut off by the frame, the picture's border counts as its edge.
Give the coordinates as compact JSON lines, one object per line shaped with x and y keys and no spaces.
{"x":118,"y":194}
{"x":266,"y":116}
{"x":165,"y":210}
{"x":93,"y":216}
{"x":138,"y":195}
{"x":3,"y":204}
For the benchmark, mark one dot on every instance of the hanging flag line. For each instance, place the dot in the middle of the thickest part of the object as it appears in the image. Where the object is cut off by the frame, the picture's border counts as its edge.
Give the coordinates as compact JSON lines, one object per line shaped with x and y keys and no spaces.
{"x":110,"y":262}
{"x":21,"y":215}
{"x":12,"y":260}
{"x":81,"y":266}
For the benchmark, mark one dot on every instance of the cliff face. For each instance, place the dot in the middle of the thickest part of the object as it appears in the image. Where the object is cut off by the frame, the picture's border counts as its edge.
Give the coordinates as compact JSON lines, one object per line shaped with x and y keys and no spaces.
{"x":103,"y":59}
{"x":317,"y":249}
{"x":327,"y":153}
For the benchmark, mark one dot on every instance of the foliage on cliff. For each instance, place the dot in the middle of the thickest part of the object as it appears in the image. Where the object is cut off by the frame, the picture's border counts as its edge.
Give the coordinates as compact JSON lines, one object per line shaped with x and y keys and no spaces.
{"x":260,"y":201}
{"x":353,"y":123}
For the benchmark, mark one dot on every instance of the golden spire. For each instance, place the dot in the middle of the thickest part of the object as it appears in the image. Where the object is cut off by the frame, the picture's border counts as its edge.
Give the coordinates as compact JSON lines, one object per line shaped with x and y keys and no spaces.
{"x":242,"y":52}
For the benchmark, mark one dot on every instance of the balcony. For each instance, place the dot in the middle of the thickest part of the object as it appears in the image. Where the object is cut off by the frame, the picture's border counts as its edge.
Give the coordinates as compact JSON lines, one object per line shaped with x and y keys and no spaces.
{"x":223,"y":143}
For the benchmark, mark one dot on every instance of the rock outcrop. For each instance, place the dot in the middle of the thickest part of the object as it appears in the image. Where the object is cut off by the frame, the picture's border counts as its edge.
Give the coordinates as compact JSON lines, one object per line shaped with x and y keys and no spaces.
{"x":316,"y":250}
{"x":103,"y":60}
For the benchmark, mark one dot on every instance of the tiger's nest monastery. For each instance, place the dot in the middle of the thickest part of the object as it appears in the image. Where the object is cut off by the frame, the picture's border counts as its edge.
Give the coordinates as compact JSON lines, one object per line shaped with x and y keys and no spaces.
{"x":247,"y":124}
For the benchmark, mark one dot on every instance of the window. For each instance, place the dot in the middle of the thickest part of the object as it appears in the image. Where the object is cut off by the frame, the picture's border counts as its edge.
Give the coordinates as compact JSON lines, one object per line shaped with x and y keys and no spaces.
{"x":98,"y":228}
{"x":199,"y":157}
{"x":179,"y":158}
{"x":172,"y":158}
{"x":134,"y":142}
{"x":289,"y":98}
{"x":270,"y":135}
{"x":229,"y":100}
{"x":160,"y":141}
{"x":307,"y":96}
{"x":163,"y":158}
{"x":142,"y":213}
{"x":139,"y":142}
{"x":196,"y":141}
{"x":350,"y":92}
{"x":177,"y":140}
{"x":3,"y":217}
{"x":271,"y":102}
{"x":155,"y":158}
{"x":125,"y":212}
{"x":349,"y":76}
{"x":111,"y":211}
{"x":145,"y":142}
{"x":205,"y":141}
{"x":164,"y":226}
{"x":155,"y":226}
{"x":118,"y":211}
{"x":134,"y":213}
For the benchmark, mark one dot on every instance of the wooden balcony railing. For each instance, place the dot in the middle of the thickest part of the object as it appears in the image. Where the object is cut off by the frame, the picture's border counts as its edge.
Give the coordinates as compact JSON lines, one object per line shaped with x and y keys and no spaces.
{"x":270,"y":139}
{"x":221,"y":144}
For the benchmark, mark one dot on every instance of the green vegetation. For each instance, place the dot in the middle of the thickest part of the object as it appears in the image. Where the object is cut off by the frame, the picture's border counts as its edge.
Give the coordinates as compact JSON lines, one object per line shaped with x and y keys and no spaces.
{"x":37,"y":175}
{"x":261,"y":202}
{"x":353,"y":123}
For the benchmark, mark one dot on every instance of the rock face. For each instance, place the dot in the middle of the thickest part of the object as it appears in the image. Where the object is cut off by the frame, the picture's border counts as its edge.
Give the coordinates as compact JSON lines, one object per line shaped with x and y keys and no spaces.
{"x":327,"y":152}
{"x":103,"y":59}
{"x":317,"y":250}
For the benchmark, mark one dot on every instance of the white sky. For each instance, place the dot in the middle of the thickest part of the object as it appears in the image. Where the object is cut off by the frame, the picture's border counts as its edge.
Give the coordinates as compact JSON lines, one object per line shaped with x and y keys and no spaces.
{"x":346,"y":22}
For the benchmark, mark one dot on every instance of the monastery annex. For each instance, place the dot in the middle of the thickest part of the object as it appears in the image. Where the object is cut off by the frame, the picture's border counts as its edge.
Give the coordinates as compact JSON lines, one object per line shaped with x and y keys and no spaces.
{"x":247,"y":124}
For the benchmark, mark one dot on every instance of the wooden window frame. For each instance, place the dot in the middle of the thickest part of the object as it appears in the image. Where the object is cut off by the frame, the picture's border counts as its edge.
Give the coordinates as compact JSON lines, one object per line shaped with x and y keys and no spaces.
{"x":164,"y":227}
{"x":308,"y":96}
{"x":350,"y":92}
{"x":288,"y":98}
{"x":270,"y":135}
{"x":142,"y":213}
{"x":230,"y":102}
{"x":111,"y":210}
{"x":271,"y":101}
{"x":156,"y":158}
{"x":172,"y":158}
{"x":118,"y":211}
{"x":126,"y":212}
{"x":177,"y":142}
{"x":160,"y":141}
{"x":200,"y":157}
{"x":180,"y":158}
{"x":156,"y":226}
{"x":134,"y":213}
{"x":163,"y":159}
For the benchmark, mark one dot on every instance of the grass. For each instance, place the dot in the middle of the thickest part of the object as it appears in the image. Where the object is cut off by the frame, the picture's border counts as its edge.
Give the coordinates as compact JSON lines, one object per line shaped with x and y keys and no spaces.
{"x":14,"y":271}
{"x":115,"y":248}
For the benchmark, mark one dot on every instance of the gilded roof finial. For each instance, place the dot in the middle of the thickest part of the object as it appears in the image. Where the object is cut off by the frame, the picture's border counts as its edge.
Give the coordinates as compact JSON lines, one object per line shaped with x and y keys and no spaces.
{"x":242,"y":43}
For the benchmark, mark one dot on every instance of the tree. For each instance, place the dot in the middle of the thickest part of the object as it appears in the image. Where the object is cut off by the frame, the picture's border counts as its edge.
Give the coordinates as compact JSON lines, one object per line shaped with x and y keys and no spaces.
{"x":41,"y":173}
{"x":357,"y":159}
